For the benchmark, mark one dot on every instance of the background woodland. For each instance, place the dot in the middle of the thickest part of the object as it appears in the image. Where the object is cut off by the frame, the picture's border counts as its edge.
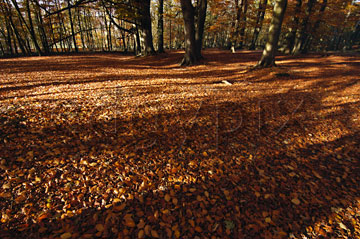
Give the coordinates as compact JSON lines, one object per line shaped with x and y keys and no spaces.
{"x":43,"y":27}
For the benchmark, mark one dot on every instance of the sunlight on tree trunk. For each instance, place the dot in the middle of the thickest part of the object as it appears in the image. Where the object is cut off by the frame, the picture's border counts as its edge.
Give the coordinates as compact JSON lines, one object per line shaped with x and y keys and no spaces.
{"x":268,"y":56}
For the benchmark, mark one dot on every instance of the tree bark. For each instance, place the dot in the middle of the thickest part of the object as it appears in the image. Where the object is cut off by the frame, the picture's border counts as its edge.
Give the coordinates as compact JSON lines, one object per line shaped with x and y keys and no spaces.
{"x":200,"y":24}
{"x":355,"y":35}
{"x":137,"y":44}
{"x":316,"y":26}
{"x":78,"y":13}
{"x":15,"y":45}
{"x":301,"y":33}
{"x":29,"y":27}
{"x":72,"y":27}
{"x":18,"y":37}
{"x":53,"y":34}
{"x":145,"y":29}
{"x":2,"y":49}
{"x":110,"y":37}
{"x":188,"y":12}
{"x":61,"y":29}
{"x":170,"y":39}
{"x":235,"y":27}
{"x":290,"y":36}
{"x":243,"y":23}
{"x":268,"y":56}
{"x":259,"y":21}
{"x":123,"y":41}
{"x":238,"y":32}
{"x":42,"y":32}
{"x":8,"y":39}
{"x":160,"y":27}
{"x":10,"y":24}
{"x":7,"y":34}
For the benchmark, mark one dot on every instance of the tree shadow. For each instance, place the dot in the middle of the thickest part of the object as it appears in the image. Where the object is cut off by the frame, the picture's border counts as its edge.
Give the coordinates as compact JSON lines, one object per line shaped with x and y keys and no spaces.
{"x":275,"y":165}
{"x":270,"y":165}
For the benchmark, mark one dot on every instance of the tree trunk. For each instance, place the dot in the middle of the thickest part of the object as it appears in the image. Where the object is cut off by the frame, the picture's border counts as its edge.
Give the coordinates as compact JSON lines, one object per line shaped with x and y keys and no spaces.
{"x":235,"y":27}
{"x":259,"y":21}
{"x":302,"y":34}
{"x":61,"y":29}
{"x":200,"y":23}
{"x":110,"y":37}
{"x":355,"y":35}
{"x":2,"y":49}
{"x":87,"y":26}
{"x":268,"y":56}
{"x":108,"y":43}
{"x":145,"y":29}
{"x":72,"y":27}
{"x":29,"y":27}
{"x":53,"y":35}
{"x":237,"y":36}
{"x":7,"y":28}
{"x":137,"y":44}
{"x":18,"y":37}
{"x":15,"y":45}
{"x":8,"y":39}
{"x":42,"y":32}
{"x":321,"y":12}
{"x":62,"y":32}
{"x":290,"y":36}
{"x":170,"y":39}
{"x":316,"y":25}
{"x":7,"y":33}
{"x":160,"y":27}
{"x":78,"y":13}
{"x":10,"y":24}
{"x":188,"y":12}
{"x":243,"y":23}
{"x":123,"y":41}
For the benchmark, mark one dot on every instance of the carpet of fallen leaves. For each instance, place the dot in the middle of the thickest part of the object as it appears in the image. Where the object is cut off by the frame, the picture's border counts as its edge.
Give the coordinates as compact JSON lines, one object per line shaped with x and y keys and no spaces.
{"x":114,"y":146}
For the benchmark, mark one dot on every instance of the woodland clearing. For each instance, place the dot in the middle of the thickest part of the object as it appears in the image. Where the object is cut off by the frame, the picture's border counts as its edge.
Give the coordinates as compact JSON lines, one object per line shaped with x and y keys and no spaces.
{"x":114,"y":146}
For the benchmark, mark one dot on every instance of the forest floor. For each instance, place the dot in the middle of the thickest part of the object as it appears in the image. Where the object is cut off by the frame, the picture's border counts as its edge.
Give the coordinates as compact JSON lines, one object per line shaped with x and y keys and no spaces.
{"x":114,"y":146}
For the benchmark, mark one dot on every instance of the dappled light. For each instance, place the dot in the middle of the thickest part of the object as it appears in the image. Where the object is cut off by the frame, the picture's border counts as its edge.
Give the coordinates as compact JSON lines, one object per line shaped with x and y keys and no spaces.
{"x":115,"y":146}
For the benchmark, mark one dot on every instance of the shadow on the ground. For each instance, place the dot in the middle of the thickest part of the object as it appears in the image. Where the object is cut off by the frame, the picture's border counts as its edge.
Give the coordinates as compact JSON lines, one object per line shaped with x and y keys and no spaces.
{"x":272,"y":166}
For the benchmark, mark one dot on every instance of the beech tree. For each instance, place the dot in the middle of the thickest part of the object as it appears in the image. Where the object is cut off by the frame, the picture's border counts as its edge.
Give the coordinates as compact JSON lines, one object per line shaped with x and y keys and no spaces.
{"x":28,"y":24}
{"x":200,"y":22}
{"x":238,"y":25}
{"x":160,"y":27}
{"x":72,"y":26}
{"x":137,"y":14}
{"x":145,"y":27}
{"x":268,"y":56}
{"x":302,"y":33}
{"x":259,"y":22}
{"x":193,"y":35}
{"x":292,"y":29}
